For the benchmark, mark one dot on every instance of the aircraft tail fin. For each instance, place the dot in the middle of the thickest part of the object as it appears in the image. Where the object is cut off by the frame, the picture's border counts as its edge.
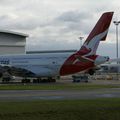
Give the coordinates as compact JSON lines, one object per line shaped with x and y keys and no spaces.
{"x":99,"y":33}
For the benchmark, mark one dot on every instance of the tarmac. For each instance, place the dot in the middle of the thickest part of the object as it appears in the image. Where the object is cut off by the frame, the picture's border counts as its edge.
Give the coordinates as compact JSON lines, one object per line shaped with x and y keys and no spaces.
{"x":27,"y":95}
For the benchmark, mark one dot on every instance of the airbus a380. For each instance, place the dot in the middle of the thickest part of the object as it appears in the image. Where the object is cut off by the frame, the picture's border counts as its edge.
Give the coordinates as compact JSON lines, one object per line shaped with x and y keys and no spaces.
{"x":52,"y":64}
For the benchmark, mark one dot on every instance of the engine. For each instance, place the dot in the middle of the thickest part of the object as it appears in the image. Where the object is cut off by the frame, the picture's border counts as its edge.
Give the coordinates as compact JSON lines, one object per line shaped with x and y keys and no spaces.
{"x":101,"y":59}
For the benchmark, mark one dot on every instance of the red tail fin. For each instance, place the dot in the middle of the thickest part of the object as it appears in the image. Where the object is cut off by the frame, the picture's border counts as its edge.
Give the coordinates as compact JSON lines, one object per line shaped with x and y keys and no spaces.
{"x":99,"y":33}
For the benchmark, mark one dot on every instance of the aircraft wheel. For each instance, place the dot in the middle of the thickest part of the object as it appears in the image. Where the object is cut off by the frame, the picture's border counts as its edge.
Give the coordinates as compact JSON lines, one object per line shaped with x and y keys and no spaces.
{"x":25,"y":80}
{"x":91,"y":72}
{"x":1,"y":74}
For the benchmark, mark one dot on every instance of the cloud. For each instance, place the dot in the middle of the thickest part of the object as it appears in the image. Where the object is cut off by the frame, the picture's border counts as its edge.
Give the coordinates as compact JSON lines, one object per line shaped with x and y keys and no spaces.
{"x":55,"y":24}
{"x":73,"y":16}
{"x":107,"y":49}
{"x":75,"y":21}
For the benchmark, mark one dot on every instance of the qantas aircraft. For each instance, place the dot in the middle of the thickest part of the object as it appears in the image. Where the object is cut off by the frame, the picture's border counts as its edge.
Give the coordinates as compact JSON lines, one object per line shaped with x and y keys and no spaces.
{"x":50,"y":65}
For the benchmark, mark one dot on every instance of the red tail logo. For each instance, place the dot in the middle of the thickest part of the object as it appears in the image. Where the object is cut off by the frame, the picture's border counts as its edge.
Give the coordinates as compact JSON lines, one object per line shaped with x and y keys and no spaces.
{"x":84,"y":58}
{"x":99,"y":33}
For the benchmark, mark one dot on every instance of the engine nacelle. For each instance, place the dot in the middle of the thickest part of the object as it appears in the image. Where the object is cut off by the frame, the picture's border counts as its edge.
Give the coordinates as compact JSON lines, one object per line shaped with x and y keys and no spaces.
{"x":101,"y":59}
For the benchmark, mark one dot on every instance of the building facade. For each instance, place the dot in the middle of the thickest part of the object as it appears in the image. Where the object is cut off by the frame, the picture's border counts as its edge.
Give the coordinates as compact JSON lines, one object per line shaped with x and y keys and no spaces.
{"x":12,"y":42}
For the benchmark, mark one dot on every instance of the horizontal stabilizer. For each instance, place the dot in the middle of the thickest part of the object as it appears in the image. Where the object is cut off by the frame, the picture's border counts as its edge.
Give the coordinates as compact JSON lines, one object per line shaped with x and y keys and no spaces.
{"x":83,"y":59}
{"x":114,"y":60}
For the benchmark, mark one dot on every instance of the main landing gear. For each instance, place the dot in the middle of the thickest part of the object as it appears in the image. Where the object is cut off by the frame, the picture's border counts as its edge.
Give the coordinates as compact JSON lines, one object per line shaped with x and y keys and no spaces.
{"x":39,"y":80}
{"x":44,"y":80}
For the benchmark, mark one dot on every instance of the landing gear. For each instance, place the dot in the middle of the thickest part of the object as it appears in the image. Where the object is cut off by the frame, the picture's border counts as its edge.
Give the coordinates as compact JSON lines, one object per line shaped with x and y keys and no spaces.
{"x":25,"y":80}
{"x":50,"y":79}
{"x":91,"y":72}
{"x":44,"y":80}
{"x":1,"y":74}
{"x":6,"y":77}
{"x":37,"y":80}
{"x":80,"y":78}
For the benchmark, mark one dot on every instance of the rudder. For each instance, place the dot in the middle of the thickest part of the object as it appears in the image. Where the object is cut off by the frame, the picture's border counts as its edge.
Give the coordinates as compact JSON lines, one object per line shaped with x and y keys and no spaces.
{"x":99,"y":33}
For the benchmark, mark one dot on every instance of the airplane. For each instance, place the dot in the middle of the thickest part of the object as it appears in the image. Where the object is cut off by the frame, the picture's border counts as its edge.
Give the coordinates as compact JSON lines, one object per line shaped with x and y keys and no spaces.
{"x":51,"y":65}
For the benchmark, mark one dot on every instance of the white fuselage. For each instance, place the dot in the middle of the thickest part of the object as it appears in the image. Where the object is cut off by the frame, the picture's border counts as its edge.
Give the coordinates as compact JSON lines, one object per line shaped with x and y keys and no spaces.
{"x":46,"y":64}
{"x":43,"y":65}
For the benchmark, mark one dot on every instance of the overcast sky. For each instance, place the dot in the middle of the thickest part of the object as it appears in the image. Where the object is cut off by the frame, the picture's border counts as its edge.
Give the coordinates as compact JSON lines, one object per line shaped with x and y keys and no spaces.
{"x":57,"y":24}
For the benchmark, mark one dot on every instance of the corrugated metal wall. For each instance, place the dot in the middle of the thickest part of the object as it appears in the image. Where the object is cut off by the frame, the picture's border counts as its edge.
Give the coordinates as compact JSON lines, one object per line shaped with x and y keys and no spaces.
{"x":12,"y":44}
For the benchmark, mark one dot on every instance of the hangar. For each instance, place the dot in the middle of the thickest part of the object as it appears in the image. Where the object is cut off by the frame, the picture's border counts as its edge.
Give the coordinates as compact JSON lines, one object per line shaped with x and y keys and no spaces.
{"x":12,"y":42}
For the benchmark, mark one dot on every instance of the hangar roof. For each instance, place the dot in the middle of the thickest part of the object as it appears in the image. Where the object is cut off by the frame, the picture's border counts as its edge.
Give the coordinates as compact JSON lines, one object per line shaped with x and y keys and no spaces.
{"x":14,"y":33}
{"x":50,"y":51}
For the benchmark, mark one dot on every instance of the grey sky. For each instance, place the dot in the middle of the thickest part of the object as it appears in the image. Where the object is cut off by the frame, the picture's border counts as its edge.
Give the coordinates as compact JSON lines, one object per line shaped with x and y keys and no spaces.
{"x":57,"y":24}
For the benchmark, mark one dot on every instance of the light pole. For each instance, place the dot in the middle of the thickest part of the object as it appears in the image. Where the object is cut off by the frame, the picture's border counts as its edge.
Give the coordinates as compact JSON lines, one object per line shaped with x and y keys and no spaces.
{"x":81,"y":38}
{"x":116,"y":23}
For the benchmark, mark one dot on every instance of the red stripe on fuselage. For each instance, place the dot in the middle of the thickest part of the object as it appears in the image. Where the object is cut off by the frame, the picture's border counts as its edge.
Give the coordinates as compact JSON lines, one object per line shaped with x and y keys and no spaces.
{"x":71,"y":67}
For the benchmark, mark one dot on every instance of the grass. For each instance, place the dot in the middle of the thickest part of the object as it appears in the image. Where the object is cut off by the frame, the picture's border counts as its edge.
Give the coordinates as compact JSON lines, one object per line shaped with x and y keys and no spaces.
{"x":97,"y":109}
{"x":56,"y":87}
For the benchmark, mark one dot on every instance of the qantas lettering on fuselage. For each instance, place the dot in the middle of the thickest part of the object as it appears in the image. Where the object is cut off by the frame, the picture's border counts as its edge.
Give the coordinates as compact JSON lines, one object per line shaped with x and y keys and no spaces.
{"x":4,"y":61}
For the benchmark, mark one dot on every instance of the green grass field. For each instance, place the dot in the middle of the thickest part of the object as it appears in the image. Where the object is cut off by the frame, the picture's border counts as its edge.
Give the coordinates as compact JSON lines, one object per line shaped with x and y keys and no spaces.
{"x":56,"y":87}
{"x":98,"y":109}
